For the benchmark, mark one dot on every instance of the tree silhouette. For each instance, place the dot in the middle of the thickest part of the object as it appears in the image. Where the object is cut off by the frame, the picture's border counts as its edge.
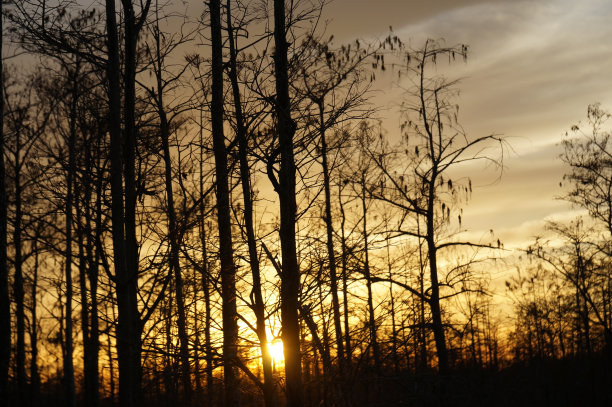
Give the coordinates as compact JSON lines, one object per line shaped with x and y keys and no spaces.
{"x":5,"y":316}
{"x":589,"y":157}
{"x":183,"y":192}
{"x":435,"y":144}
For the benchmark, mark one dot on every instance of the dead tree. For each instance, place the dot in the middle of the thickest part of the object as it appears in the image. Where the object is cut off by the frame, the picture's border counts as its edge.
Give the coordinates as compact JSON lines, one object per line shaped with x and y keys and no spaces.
{"x":290,"y":277}
{"x":242,"y":131}
{"x":226,"y":253}
{"x":5,"y":312}
{"x":434,"y":144}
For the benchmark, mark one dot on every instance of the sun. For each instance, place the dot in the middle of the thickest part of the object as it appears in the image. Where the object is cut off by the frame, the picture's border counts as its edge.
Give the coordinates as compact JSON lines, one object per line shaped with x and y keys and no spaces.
{"x":276,"y":350}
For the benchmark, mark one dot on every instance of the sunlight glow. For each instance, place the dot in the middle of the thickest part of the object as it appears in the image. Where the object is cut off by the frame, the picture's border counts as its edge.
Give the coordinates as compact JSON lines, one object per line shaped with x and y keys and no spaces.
{"x":276,"y":350}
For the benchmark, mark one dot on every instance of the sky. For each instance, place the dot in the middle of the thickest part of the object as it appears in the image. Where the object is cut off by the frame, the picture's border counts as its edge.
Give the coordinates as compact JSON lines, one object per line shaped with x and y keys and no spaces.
{"x":533,"y":68}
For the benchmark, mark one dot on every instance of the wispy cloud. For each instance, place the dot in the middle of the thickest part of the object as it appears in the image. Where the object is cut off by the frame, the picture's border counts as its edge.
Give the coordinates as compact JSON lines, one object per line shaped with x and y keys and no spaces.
{"x":533,"y":68}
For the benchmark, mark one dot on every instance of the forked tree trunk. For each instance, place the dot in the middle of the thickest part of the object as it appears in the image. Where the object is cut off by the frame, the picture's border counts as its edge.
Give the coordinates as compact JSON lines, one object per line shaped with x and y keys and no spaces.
{"x":129,"y":323}
{"x":245,"y":180}
{"x":290,"y":281}
{"x":87,"y":266}
{"x":123,"y":218}
{"x":228,"y":269}
{"x":434,"y":299}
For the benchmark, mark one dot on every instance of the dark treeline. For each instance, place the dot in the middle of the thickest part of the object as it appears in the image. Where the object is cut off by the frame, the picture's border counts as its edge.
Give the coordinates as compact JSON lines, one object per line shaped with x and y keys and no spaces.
{"x":205,"y":209}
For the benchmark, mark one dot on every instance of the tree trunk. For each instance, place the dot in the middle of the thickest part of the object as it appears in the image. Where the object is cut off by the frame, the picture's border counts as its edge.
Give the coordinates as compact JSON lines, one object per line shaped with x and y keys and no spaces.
{"x":18,"y":290}
{"x":290,"y":280}
{"x":394,"y":353}
{"x":175,"y":268}
{"x":434,"y":300}
{"x":123,"y":226}
{"x":34,"y":372}
{"x":422,"y":334}
{"x":169,"y":373}
{"x":70,"y":391}
{"x":210,"y":382}
{"x":87,"y":271}
{"x":5,"y":312}
{"x":111,"y":365}
{"x":210,"y":389}
{"x":83,"y":264}
{"x":345,"y":306}
{"x":228,"y":270}
{"x":366,"y":270}
{"x":130,"y":324}
{"x":92,"y":398}
{"x":331,"y":257}
{"x":197,"y":373}
{"x":245,"y":179}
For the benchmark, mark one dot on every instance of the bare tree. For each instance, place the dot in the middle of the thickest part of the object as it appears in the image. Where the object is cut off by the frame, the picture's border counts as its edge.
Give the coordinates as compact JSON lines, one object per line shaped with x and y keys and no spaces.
{"x":242,"y":131}
{"x":35,"y":381}
{"x":25,"y":123}
{"x":290,"y":277}
{"x":582,"y":264}
{"x":123,"y":213}
{"x":164,"y":83}
{"x":333,"y":82}
{"x":226,"y":253}
{"x":5,"y":315}
{"x":435,"y":144}
{"x":588,"y":153}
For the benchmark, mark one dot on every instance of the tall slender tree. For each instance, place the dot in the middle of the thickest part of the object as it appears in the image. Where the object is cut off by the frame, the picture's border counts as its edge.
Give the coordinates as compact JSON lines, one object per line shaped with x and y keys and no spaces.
{"x":434,"y":144}
{"x":123,"y":194}
{"x":226,"y":252}
{"x":245,"y":180}
{"x":5,"y":315}
{"x":290,"y":277}
{"x":158,"y":62}
{"x":74,"y":78}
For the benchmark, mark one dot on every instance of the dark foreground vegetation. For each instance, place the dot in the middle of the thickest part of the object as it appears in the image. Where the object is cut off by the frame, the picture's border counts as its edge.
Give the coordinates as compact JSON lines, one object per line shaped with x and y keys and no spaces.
{"x":569,"y":382}
{"x":206,"y":209}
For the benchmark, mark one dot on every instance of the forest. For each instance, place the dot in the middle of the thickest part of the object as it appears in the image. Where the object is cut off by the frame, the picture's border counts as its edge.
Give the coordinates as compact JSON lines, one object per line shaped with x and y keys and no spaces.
{"x":208,"y":208}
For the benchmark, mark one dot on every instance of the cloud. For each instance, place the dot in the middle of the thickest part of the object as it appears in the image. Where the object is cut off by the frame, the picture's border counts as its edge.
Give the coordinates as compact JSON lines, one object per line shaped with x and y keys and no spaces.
{"x":532,"y":65}
{"x":532,"y":71}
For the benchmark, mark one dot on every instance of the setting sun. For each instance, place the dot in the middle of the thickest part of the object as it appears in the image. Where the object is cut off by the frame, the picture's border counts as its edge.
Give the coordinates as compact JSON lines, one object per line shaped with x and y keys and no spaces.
{"x":276,"y":350}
